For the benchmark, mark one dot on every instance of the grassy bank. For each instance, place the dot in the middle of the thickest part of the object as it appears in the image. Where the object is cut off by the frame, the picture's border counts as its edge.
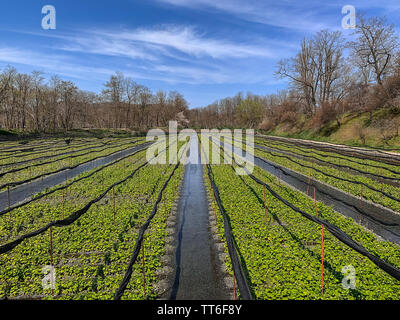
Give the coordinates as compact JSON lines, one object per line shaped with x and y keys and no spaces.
{"x":378,"y":129}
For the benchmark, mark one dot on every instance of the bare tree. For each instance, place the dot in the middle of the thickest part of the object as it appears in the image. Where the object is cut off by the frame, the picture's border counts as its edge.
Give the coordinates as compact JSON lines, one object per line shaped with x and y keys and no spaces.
{"x":145,"y":96}
{"x":328,"y":55}
{"x":132,"y":90}
{"x":375,"y":46}
{"x":302,"y":73}
{"x":37,"y":103}
{"x":114,"y":93}
{"x":315,"y":72}
{"x":68,"y":93}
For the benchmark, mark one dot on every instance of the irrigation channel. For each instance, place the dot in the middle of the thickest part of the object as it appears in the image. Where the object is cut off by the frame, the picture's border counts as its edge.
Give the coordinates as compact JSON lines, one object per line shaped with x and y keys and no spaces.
{"x":197,"y":271}
{"x":382,"y":221}
{"x":20,"y":193}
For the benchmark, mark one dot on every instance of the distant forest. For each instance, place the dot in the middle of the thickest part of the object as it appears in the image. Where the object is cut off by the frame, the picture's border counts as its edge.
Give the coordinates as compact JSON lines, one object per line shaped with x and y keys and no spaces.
{"x":28,"y":103}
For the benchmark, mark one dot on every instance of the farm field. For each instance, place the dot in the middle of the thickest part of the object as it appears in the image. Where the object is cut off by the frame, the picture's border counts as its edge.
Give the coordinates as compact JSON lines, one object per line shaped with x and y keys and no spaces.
{"x":108,"y":233}
{"x":87,"y":232}
{"x":19,"y":165}
{"x":282,"y":250}
{"x":373,"y":180}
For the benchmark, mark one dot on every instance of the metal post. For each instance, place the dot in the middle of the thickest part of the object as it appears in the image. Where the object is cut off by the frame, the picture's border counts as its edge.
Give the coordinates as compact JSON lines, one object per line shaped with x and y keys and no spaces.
{"x":51,"y":254}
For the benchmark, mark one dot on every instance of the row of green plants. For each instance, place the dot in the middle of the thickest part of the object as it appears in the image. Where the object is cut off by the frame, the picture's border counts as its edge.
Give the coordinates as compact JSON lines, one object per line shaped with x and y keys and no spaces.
{"x":371,"y":166}
{"x":30,"y":153}
{"x":38,"y":213}
{"x":281,"y":250}
{"x":352,"y":188}
{"x":31,"y":173}
{"x":308,"y":168}
{"x":91,"y":255}
{"x":17,"y":145}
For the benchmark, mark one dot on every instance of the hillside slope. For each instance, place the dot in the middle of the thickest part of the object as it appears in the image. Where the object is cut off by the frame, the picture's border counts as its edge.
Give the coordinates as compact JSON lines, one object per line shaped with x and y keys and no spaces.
{"x":378,"y":129}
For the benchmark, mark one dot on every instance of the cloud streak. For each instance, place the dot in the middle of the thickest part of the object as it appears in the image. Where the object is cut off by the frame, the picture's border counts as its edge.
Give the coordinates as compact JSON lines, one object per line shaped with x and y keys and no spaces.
{"x":169,"y":40}
{"x":169,"y":53}
{"x":291,"y":15}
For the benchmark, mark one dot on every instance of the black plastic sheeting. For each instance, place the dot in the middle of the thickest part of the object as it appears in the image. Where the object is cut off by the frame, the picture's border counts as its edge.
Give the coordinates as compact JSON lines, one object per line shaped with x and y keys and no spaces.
{"x":72,"y":218}
{"x":79,"y":147}
{"x":34,"y":148}
{"x":22,"y":204}
{"x":290,"y":173}
{"x":334,"y":194}
{"x":338,"y":233}
{"x":67,"y":221}
{"x":301,"y":156}
{"x":71,"y":154}
{"x":236,"y":263}
{"x":55,"y":160}
{"x":128,"y":274}
{"x":379,"y":156}
{"x":335,"y":177}
{"x":287,"y":172}
{"x":348,"y":159}
{"x":14,"y":184}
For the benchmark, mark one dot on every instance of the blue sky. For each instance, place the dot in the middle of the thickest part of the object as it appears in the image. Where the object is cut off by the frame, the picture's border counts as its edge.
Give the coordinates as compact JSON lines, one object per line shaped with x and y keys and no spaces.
{"x":205,"y":49}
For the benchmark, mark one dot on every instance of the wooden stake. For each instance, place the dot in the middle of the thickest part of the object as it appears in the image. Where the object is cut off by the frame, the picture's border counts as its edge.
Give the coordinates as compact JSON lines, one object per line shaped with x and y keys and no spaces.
{"x":322,"y":246}
{"x":51,"y":246}
{"x":63,"y":202}
{"x":114,"y":202}
{"x":143,"y":270}
{"x":322,"y":260}
{"x":51,"y":255}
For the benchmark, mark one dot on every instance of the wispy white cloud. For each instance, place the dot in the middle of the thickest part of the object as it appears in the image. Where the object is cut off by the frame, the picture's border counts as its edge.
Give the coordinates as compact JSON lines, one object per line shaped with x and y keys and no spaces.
{"x":64,"y":66}
{"x":293,"y":15}
{"x":169,"y":40}
{"x":168,"y":53}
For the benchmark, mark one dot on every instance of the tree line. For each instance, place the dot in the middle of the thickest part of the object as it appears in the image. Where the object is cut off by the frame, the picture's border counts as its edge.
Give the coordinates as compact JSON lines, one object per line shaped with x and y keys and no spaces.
{"x":29,"y":103}
{"x":328,"y":76}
